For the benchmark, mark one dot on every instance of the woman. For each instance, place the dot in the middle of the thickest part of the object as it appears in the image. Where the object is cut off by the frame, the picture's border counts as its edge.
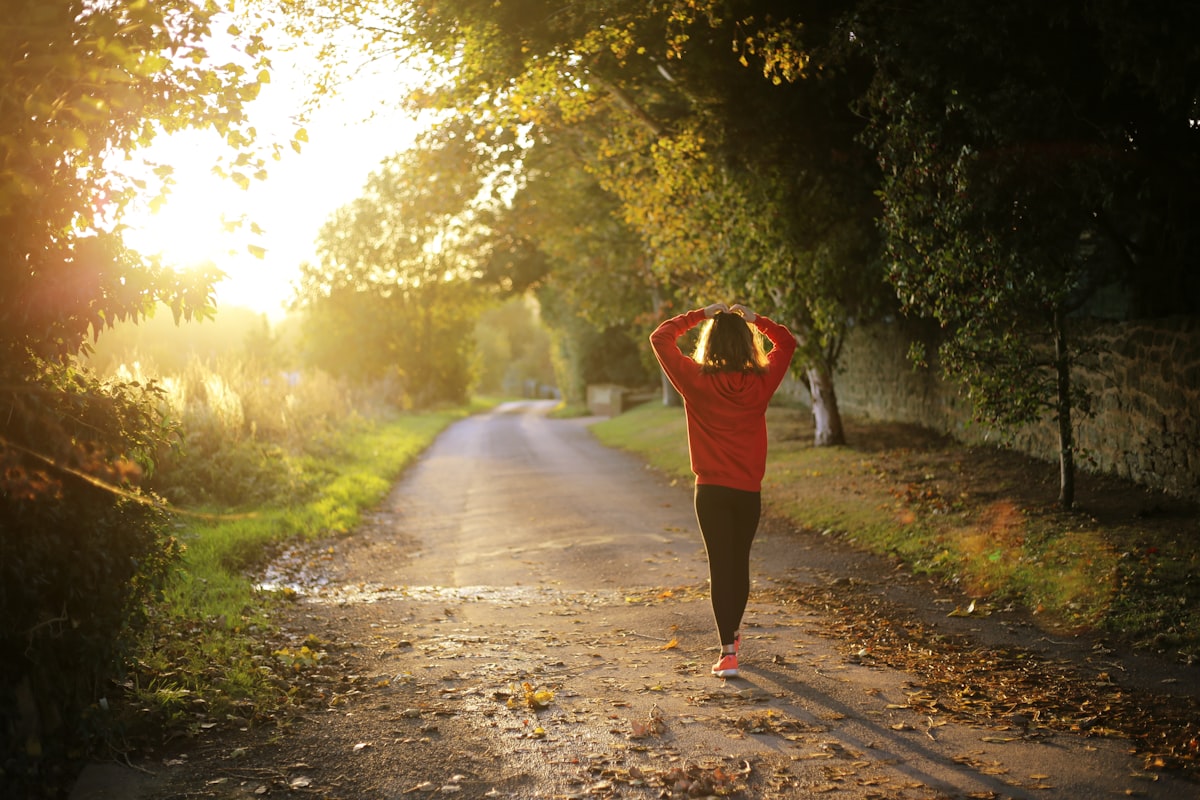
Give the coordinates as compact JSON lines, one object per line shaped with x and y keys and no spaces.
{"x":726,"y":386}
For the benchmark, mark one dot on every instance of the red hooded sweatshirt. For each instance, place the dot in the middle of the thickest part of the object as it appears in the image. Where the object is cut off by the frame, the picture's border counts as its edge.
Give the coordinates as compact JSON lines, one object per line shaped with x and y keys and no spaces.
{"x":726,"y":411}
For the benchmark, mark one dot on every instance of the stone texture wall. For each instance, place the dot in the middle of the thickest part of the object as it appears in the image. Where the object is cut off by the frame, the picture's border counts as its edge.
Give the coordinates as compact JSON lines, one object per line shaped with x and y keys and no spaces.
{"x":1146,"y":414}
{"x":1144,"y":378}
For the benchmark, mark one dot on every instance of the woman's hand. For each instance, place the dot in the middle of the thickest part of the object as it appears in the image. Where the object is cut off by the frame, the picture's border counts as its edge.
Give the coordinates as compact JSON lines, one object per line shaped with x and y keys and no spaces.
{"x":714,"y":309}
{"x":746,"y":313}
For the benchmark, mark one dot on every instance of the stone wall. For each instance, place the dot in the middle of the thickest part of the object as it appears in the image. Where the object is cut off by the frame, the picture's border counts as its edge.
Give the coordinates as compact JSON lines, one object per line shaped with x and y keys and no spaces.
{"x":1144,"y":378}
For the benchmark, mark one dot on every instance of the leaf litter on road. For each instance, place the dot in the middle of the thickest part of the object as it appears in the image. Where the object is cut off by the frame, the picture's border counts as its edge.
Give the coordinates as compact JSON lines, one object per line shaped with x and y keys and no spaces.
{"x":1012,"y":689}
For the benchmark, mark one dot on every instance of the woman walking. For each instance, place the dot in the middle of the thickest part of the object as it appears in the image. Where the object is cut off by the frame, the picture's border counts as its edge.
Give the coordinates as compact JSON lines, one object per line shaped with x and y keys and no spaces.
{"x":726,"y":385}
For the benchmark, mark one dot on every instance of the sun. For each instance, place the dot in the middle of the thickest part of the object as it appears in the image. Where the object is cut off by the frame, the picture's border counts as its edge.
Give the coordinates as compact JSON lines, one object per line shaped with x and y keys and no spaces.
{"x":194,"y":225}
{"x":260,"y":235}
{"x":257,"y":236}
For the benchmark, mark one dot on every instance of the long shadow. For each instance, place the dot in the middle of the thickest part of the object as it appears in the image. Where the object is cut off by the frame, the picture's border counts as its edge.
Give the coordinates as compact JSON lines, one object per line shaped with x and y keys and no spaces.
{"x":918,"y":761}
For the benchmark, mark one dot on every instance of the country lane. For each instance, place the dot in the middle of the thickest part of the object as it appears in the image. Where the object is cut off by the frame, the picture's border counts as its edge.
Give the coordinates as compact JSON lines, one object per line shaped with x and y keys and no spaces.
{"x":526,"y":616}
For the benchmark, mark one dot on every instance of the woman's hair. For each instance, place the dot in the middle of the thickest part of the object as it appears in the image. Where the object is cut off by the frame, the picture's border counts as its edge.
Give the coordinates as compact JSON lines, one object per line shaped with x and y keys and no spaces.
{"x":728,"y":344}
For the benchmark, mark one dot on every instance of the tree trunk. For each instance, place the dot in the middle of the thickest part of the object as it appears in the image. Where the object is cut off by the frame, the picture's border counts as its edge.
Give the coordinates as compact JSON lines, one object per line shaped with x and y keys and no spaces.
{"x":1066,"y":437}
{"x":825,"y":412}
{"x":670,"y":397}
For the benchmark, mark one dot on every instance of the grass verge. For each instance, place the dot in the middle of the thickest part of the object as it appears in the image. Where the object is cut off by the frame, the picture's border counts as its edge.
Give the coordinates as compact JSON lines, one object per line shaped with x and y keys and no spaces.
{"x":205,"y":661}
{"x":1122,"y":564}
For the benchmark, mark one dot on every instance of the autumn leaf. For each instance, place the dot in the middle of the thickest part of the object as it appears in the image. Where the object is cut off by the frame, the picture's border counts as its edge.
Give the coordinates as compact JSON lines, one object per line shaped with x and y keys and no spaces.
{"x":534,"y":698}
{"x":959,"y":611}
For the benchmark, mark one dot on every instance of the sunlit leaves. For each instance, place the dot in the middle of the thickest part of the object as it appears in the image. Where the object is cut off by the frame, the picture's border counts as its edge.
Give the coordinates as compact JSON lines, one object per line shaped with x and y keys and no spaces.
{"x":730,"y":181}
{"x":82,"y":83}
{"x":298,"y":658}
{"x":299,"y":138}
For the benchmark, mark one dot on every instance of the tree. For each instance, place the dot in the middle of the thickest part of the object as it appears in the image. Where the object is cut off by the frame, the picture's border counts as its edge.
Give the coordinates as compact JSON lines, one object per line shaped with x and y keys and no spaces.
{"x":597,"y":293}
{"x":394,"y":294}
{"x":738,"y":182}
{"x":81,"y":84}
{"x":513,"y":350}
{"x":1020,"y":176}
{"x":763,"y":184}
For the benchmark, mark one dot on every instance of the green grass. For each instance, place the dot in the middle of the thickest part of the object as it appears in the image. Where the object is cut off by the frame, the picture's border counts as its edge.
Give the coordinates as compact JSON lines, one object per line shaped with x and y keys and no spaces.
{"x":982,"y":520}
{"x":658,"y":433}
{"x":565,"y":411}
{"x":201,"y":651}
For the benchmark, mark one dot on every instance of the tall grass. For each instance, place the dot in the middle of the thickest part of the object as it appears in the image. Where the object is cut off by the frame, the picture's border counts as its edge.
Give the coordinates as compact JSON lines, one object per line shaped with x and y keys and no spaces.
{"x":250,"y":434}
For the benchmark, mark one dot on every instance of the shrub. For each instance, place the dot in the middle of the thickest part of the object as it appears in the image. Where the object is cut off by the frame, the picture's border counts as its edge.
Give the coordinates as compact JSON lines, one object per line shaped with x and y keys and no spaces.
{"x":77,"y":561}
{"x":245,"y":429}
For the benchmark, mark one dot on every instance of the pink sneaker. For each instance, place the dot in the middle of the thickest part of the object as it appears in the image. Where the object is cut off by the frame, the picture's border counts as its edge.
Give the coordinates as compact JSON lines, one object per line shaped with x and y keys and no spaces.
{"x":727,"y":667}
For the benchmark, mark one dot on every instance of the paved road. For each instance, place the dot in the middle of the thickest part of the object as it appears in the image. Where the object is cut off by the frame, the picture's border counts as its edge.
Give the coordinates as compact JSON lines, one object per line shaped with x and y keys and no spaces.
{"x":526,"y":617}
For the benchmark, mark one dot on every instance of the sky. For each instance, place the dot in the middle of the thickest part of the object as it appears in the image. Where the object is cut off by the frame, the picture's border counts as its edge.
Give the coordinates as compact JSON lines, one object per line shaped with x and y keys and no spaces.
{"x":348,"y":136}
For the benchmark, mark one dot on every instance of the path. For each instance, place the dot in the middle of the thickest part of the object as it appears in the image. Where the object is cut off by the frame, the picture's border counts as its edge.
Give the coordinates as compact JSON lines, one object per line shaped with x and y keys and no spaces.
{"x":526,"y":617}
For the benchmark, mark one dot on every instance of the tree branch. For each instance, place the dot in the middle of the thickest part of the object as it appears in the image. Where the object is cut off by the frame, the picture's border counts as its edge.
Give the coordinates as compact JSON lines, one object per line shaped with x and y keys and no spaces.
{"x":627,"y":104}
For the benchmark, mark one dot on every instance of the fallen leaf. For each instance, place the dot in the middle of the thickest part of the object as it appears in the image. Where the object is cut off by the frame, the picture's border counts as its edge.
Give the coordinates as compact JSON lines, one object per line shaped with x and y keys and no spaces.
{"x":424,"y":786}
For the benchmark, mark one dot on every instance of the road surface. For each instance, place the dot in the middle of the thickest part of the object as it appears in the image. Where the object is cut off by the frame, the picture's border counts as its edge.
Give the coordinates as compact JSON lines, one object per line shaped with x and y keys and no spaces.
{"x":526,"y":617}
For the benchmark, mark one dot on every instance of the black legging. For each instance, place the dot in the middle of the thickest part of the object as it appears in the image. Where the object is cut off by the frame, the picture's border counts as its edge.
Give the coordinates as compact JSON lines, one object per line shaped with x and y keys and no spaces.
{"x":728,"y":520}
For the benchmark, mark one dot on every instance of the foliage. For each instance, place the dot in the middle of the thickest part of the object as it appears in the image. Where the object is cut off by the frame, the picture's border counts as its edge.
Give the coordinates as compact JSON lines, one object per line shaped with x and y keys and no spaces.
{"x":595,"y":262}
{"x":512,"y":350}
{"x":75,"y":583}
{"x":77,"y":562}
{"x":724,"y":180}
{"x":79,"y":84}
{"x":1009,"y":200}
{"x":393,"y":294}
{"x":597,"y":293}
{"x":245,"y":429}
{"x":83,"y":84}
{"x":586,"y":354}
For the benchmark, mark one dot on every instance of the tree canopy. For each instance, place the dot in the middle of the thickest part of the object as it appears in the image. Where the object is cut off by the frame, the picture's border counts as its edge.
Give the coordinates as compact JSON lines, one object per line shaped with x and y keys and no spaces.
{"x":81,"y":85}
{"x":832,"y":162}
{"x":393,"y":295}
{"x":729,"y":150}
{"x":1020,"y":178}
